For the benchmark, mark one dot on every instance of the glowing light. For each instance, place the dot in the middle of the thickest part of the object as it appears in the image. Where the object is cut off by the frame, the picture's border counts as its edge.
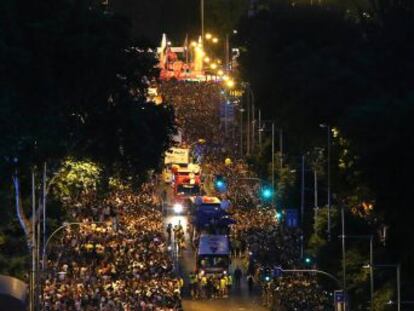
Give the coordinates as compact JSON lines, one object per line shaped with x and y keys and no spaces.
{"x":209,"y":36}
{"x":178,"y":208}
{"x":193,"y":44}
{"x":267,"y":193}
{"x":226,"y":77}
{"x":215,"y":40}
{"x":207,"y":59}
{"x":278,"y":215}
{"x":213,"y":66}
{"x":230,"y":84}
{"x":220,"y":72}
{"x":219,"y":61}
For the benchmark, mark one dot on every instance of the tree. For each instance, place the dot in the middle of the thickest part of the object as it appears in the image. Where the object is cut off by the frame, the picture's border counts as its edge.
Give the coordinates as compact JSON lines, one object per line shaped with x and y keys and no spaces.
{"x":75,"y":87}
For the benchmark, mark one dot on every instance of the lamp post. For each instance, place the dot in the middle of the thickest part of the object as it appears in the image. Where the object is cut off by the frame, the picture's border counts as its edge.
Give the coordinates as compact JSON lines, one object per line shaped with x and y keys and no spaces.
{"x":397,"y":268}
{"x":202,"y":20}
{"x":328,"y":131}
{"x":250,"y":117}
{"x":371,"y":262}
{"x":241,"y":131}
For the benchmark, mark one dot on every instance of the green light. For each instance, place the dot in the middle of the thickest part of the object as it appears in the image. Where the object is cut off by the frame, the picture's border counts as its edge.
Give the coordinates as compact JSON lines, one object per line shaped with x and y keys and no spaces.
{"x":219,"y":183}
{"x":278,"y":215}
{"x":308,"y":260}
{"x":266,"y":193}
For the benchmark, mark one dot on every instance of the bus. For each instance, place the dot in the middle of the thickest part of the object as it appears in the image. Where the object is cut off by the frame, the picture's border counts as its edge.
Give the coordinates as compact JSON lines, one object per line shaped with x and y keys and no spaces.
{"x":213,"y":254}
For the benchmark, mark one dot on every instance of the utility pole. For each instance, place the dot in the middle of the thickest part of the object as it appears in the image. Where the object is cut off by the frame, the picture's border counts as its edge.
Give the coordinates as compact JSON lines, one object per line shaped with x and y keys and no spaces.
{"x":328,"y":132}
{"x":371,"y":269}
{"x":273,"y":158}
{"x":302,"y":201}
{"x":253,"y":127}
{"x":202,"y":21}
{"x":329,"y":182}
{"x":281,"y":147}
{"x":44,"y":207}
{"x":241,"y":132}
{"x":315,"y":193}
{"x":227,"y":53}
{"x":225,"y":119}
{"x":248,"y":123}
{"x":260,"y":129}
{"x":33,"y":272}
{"x":399,"y":287}
{"x":343,"y":251}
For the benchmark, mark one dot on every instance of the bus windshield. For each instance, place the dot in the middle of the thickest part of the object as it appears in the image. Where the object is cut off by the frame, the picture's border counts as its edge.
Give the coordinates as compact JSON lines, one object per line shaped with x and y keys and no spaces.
{"x":213,"y":261}
{"x":188,"y":189}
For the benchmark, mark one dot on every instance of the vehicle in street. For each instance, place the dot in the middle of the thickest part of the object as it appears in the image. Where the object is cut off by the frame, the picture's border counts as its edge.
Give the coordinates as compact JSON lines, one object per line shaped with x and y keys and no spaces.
{"x":213,"y":254}
{"x":175,"y":158}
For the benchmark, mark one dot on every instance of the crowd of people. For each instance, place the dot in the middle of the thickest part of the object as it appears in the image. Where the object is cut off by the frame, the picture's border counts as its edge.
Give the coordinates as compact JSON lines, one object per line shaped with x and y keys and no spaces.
{"x":297,"y":293}
{"x":204,"y":286}
{"x":117,"y":259}
{"x":259,"y":238}
{"x":196,"y":106}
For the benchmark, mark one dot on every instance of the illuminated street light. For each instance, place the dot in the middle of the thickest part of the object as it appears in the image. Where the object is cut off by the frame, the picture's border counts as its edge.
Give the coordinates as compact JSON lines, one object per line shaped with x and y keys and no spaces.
{"x":209,"y":36}
{"x":220,"y":72}
{"x":215,"y":40}
{"x":193,"y":44}
{"x":213,"y":66}
{"x":230,"y":84}
{"x":207,"y":59}
{"x":279,"y":216}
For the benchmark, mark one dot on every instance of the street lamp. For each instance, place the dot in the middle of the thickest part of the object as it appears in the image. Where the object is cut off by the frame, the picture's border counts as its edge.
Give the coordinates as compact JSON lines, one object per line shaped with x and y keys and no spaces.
{"x":328,"y":131}
{"x":63,"y":226}
{"x":371,"y":261}
{"x":230,"y":84}
{"x":398,"y":273}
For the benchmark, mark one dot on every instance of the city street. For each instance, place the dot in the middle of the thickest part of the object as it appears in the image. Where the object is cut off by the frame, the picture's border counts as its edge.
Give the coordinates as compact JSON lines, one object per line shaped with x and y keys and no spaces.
{"x":222,"y":155}
{"x":238,"y":300}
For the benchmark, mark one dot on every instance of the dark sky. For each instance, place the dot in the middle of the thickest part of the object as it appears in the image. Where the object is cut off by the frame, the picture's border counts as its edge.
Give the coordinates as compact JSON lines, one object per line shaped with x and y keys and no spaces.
{"x":150,"y":18}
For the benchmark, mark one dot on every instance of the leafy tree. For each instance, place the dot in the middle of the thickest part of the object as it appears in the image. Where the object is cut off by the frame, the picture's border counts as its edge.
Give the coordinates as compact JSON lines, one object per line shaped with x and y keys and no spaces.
{"x":75,"y":86}
{"x":75,"y":178}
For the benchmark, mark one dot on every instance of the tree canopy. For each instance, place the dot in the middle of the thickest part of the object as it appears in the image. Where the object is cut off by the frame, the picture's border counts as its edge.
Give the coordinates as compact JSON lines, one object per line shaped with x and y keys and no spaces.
{"x":309,"y":65}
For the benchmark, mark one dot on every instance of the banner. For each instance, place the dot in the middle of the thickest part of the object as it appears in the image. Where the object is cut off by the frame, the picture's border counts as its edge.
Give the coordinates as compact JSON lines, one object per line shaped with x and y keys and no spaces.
{"x":177,"y":156}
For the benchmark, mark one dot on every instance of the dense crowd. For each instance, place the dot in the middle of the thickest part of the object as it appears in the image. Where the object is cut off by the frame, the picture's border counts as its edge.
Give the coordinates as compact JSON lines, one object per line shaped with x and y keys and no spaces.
{"x":116,"y":260}
{"x":196,"y":107}
{"x":258,"y":237}
{"x":298,"y":293}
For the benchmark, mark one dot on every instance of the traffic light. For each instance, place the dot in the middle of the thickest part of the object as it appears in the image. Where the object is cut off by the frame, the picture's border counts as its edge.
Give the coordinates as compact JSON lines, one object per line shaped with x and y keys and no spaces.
{"x":279,"y":215}
{"x":266,"y":193}
{"x":220,"y":184}
{"x":308,"y":260}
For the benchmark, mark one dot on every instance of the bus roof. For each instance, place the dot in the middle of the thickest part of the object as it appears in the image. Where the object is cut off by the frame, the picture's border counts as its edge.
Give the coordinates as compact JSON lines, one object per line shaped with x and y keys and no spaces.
{"x":205,"y":200}
{"x":213,"y":245}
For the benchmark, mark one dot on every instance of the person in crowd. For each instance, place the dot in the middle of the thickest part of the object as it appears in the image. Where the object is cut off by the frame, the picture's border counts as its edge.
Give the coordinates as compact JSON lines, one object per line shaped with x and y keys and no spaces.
{"x":237,"y":277}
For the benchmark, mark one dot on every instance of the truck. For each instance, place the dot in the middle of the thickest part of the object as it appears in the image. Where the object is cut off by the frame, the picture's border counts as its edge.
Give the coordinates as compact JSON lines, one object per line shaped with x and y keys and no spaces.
{"x":209,"y":233}
{"x":175,"y":158}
